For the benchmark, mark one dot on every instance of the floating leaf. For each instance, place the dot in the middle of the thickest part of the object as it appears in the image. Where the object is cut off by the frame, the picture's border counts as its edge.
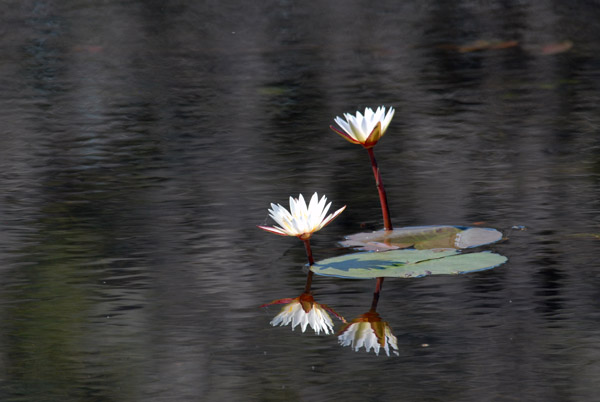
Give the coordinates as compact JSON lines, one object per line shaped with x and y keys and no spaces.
{"x":423,"y":237}
{"x":406,"y":264}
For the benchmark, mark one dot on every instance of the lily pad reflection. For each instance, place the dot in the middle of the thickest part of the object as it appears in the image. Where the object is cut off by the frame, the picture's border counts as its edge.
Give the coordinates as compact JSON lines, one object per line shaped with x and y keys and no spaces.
{"x":406,"y":264}
{"x":423,"y":237}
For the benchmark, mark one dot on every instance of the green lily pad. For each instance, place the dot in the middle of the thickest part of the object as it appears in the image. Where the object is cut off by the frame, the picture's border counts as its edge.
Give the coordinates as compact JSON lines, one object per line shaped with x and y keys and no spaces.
{"x":406,"y":263}
{"x":423,"y":237}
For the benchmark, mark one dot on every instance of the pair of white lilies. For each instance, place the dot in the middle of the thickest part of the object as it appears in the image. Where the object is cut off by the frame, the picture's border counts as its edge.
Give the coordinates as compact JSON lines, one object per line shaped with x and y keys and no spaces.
{"x":303,"y":220}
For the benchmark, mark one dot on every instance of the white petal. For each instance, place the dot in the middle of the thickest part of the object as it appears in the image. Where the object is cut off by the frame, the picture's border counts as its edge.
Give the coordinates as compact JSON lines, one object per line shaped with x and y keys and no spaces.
{"x":387,"y":120}
{"x":364,"y":126}
{"x":313,"y":205}
{"x":357,"y":130}
{"x":294,"y":206}
{"x":274,"y":229}
{"x":301,"y":205}
{"x":379,"y":114}
{"x":302,"y":218}
{"x":322,"y":221}
{"x":332,"y":216}
{"x":313,"y":320}
{"x":297,"y":315}
{"x":344,"y":125}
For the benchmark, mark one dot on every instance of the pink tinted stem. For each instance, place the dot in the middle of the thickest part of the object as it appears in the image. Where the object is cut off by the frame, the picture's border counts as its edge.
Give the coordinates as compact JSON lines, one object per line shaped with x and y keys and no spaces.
{"x":378,"y":287}
{"x":311,"y":261}
{"x":387,"y":222}
{"x":309,"y":255}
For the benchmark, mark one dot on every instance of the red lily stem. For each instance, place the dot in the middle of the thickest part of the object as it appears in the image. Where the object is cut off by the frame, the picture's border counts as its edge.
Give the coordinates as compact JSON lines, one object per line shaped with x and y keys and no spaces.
{"x":308,"y":282}
{"x":311,"y":261}
{"x":378,"y":287}
{"x":387,"y":222}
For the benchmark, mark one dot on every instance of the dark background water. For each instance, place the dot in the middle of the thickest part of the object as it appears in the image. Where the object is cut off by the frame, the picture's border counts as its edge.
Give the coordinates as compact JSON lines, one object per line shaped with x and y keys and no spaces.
{"x":142,"y":141}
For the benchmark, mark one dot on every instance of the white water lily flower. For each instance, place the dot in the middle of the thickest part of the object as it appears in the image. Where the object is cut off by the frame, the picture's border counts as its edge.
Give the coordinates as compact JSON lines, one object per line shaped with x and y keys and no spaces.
{"x":369,"y":331}
{"x":304,"y":311}
{"x":301,"y":220}
{"x":365,"y":130}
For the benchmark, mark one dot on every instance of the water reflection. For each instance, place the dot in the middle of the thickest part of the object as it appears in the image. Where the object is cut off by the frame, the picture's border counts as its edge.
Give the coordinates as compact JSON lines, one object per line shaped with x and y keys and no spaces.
{"x":141,"y":140}
{"x":304,"y":311}
{"x":302,"y":221}
{"x":369,"y":330}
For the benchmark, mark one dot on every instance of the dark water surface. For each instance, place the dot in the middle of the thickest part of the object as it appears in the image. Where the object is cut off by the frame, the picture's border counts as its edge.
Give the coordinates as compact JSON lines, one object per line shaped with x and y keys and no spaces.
{"x":142,"y":141}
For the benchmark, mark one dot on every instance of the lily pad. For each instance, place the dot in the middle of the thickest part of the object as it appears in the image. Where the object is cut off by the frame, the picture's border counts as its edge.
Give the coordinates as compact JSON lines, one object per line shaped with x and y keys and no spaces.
{"x":406,"y":263}
{"x":423,"y":237}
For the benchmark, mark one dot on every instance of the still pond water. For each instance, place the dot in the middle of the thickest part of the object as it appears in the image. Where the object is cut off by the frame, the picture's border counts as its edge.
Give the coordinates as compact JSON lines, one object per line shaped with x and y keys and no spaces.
{"x":143,"y":141}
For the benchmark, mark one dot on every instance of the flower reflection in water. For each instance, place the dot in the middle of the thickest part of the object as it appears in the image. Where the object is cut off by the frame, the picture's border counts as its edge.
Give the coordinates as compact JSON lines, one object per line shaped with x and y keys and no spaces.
{"x":302,"y":221}
{"x":369,"y":330}
{"x":304,"y":311}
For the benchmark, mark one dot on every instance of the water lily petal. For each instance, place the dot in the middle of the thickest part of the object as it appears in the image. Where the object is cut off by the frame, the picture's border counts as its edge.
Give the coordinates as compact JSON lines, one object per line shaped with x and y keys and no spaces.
{"x":275,"y":230}
{"x":387,"y":120}
{"x":374,"y":136}
{"x":347,"y":136}
{"x":332,"y":216}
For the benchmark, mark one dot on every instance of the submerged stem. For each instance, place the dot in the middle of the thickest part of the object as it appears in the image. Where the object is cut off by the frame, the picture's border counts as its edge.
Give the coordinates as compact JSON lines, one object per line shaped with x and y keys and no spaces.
{"x":387,"y":222}
{"x":378,"y":287}
{"x":308,"y":282}
{"x":311,"y":261}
